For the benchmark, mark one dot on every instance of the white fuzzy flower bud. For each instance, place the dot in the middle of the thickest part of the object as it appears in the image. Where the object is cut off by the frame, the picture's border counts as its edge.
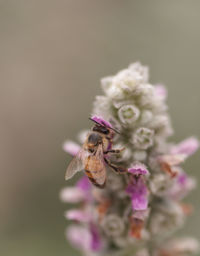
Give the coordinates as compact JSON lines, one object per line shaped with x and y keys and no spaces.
{"x":113,"y":225}
{"x":143,"y":138}
{"x":127,"y":80}
{"x":162,"y":125}
{"x":146,"y":117}
{"x":144,"y":94}
{"x":160,"y":183}
{"x":140,"y":155}
{"x":128,"y":114}
{"x":119,"y":103}
{"x":167,"y":218}
{"x":124,"y":82}
{"x":105,"y":104}
{"x":114,"y":92}
{"x":142,"y":70}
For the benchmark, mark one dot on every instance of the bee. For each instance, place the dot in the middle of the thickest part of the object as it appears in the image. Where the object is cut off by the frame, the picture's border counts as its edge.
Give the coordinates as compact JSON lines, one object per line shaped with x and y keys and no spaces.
{"x":93,"y":156}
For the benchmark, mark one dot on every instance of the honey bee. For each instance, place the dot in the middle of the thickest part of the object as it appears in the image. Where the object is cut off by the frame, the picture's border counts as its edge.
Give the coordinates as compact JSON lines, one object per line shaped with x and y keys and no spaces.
{"x":92,"y":158}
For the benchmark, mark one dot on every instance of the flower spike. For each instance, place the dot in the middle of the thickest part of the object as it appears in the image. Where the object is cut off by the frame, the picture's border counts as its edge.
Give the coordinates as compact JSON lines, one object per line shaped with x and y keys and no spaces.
{"x":138,"y":210}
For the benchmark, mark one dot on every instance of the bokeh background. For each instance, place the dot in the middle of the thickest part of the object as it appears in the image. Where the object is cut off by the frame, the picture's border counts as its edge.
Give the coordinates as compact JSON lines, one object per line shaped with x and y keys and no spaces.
{"x":52,"y":56}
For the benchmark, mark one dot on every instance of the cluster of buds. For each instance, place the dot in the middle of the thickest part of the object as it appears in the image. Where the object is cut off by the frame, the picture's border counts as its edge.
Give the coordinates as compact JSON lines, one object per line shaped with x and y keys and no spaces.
{"x":137,"y":212}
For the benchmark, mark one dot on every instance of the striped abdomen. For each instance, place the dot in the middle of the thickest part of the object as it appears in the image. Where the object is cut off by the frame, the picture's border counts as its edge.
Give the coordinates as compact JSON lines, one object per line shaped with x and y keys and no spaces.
{"x":95,"y":170}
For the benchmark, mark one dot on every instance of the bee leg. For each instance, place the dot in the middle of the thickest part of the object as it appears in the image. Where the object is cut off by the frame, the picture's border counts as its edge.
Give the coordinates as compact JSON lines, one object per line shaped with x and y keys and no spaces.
{"x":114,"y":151}
{"x":118,"y":169}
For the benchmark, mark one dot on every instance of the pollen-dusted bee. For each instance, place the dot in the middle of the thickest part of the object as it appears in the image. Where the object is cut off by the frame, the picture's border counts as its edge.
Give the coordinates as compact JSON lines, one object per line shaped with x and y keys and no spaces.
{"x":92,"y":158}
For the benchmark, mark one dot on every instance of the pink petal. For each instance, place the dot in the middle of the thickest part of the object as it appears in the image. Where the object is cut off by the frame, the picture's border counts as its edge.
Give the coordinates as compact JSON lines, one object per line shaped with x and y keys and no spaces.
{"x":182,"y":186}
{"x":101,"y":121}
{"x":84,"y":184}
{"x":138,"y":192}
{"x":138,"y":169}
{"x":80,"y":237}
{"x":187,"y":147}
{"x":77,"y":215}
{"x":87,"y":239}
{"x":81,"y":192}
{"x":173,"y":159}
{"x":161,"y":91}
{"x":71,"y":147}
{"x":72,"y":195}
{"x":96,"y":243}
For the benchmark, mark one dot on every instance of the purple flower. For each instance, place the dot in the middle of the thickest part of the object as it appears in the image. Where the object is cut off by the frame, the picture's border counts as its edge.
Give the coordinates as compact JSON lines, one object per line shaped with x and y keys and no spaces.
{"x":71,"y":147}
{"x":138,"y":192}
{"x":101,"y":121}
{"x":182,"y":186}
{"x":84,"y":184}
{"x":84,"y":238}
{"x":81,"y":192}
{"x":187,"y":147}
{"x":95,"y":243}
{"x":78,"y":215}
{"x":138,"y":169}
{"x":79,"y":236}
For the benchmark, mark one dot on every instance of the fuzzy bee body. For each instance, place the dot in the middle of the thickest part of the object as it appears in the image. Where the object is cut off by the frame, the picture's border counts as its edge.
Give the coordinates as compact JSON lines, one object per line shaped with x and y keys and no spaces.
{"x":91,"y":158}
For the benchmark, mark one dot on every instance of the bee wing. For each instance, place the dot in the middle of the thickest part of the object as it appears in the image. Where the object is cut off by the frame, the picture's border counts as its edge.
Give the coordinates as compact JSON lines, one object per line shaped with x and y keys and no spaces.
{"x":99,"y":154}
{"x":76,"y":164}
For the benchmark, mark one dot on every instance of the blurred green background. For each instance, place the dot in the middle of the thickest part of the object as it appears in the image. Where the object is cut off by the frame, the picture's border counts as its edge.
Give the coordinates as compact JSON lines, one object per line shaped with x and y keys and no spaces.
{"x":52,"y":56}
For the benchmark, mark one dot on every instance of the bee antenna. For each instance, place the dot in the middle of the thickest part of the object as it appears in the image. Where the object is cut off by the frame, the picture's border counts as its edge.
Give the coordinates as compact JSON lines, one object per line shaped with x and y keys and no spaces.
{"x":115,"y":130}
{"x":104,"y":125}
{"x":94,"y":121}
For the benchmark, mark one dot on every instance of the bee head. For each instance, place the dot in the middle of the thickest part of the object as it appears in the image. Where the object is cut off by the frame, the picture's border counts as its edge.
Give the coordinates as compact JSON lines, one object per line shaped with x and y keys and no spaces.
{"x":103,"y":127}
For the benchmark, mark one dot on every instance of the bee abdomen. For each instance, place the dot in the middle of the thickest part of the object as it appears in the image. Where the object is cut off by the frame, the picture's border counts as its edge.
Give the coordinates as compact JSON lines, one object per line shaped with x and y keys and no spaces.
{"x":95,"y":180}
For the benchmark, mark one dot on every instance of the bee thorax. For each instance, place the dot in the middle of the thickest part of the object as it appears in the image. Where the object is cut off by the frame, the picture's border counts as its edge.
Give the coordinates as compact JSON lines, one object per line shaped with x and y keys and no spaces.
{"x":94,"y":139}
